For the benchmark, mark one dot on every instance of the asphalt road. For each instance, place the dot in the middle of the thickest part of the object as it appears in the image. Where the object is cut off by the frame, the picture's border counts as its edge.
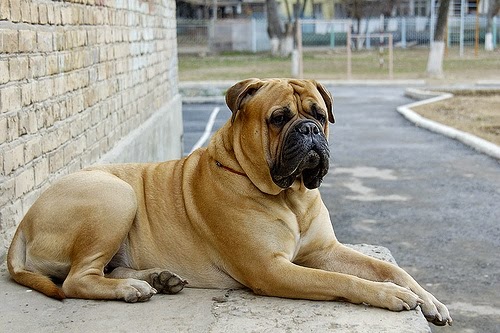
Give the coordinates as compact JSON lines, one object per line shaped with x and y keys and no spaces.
{"x":432,"y":201}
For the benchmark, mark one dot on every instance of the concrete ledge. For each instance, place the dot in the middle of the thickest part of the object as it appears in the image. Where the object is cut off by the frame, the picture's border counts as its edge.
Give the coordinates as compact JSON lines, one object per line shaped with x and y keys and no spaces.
{"x":199,"y":310}
{"x":426,"y":97}
{"x":495,"y":83}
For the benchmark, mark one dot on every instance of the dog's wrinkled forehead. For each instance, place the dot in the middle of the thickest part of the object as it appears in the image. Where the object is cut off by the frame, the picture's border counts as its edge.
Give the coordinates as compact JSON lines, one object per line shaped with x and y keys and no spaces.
{"x":273,"y":90}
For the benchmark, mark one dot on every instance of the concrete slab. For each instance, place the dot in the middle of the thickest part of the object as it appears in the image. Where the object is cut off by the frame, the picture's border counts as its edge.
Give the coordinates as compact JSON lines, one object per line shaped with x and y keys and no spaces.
{"x":199,"y":310}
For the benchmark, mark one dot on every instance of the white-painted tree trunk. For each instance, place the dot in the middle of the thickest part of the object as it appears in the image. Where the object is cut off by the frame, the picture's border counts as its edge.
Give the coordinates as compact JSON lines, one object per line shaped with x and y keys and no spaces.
{"x":488,"y":41}
{"x":275,"y":46}
{"x":286,"y":45}
{"x":435,"y":61}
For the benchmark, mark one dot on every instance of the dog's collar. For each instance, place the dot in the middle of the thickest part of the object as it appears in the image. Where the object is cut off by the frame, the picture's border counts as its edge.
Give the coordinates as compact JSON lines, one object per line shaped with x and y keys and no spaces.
{"x":220,"y":165}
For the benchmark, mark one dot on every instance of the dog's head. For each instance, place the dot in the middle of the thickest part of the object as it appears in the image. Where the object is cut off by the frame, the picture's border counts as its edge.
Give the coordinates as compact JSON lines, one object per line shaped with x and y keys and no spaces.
{"x":280,"y":131}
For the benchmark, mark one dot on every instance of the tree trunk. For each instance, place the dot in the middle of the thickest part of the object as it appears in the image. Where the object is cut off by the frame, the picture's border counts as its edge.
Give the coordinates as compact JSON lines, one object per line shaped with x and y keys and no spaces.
{"x":281,"y":37}
{"x":274,"y":29}
{"x":442,"y":20}
{"x":435,"y":61}
{"x":436,"y":53}
{"x":287,"y":41}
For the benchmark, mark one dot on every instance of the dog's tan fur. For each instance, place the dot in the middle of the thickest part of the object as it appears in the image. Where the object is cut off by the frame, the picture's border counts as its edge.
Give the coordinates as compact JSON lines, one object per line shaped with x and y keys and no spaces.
{"x":216,"y":218}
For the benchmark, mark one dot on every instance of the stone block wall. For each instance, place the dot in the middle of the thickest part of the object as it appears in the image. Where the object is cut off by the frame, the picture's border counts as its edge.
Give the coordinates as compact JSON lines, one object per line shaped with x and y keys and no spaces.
{"x":82,"y":82}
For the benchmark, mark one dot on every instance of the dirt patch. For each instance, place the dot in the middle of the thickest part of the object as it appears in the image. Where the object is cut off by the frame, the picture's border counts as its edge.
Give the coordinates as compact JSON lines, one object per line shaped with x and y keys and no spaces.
{"x":475,"y":113}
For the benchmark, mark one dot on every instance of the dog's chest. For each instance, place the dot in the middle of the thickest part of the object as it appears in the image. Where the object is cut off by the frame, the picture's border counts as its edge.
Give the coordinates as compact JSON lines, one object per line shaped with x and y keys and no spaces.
{"x":303,"y":209}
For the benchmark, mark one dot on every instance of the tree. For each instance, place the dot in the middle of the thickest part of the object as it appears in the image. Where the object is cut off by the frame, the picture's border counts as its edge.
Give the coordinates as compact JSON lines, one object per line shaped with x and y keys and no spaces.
{"x":356,"y":9}
{"x":436,"y":53}
{"x":493,"y":10}
{"x":366,"y":9}
{"x":280,"y":35}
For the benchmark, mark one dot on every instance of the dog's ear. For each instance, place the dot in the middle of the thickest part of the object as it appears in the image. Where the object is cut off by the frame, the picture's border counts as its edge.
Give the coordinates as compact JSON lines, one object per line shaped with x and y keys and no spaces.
{"x":328,"y":100}
{"x":239,"y":93}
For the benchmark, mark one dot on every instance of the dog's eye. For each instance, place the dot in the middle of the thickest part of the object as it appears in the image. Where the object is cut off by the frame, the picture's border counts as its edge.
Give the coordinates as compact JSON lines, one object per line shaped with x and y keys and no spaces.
{"x":321,"y":118}
{"x":318,"y":114}
{"x":279,"y":119}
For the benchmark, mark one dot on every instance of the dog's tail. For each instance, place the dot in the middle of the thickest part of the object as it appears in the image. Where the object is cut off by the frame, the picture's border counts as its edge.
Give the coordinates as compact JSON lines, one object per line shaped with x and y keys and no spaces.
{"x":16,"y":262}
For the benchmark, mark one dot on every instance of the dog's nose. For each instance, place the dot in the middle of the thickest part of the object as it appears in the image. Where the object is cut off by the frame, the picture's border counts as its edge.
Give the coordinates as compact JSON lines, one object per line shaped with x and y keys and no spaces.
{"x":307,"y":128}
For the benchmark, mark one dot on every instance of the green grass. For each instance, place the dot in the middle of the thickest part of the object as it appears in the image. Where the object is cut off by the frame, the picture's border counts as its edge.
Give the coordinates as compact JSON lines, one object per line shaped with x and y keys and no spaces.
{"x":408,"y":64}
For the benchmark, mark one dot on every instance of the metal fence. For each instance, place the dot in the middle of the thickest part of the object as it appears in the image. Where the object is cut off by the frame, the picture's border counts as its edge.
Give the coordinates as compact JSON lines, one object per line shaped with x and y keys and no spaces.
{"x":222,"y":35}
{"x":193,"y":35}
{"x":251,"y":34}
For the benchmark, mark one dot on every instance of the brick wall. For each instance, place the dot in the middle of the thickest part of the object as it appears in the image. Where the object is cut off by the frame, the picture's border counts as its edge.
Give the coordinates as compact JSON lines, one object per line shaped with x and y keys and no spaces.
{"x":82,"y":82}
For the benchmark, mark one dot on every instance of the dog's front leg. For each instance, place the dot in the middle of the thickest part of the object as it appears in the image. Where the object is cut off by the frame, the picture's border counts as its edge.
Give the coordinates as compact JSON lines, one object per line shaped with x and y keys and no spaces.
{"x":281,"y":278}
{"x":339,"y":258}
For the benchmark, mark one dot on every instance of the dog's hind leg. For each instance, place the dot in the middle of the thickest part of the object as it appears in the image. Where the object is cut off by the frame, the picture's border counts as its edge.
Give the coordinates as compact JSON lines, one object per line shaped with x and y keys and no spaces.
{"x":102,"y":210}
{"x":162,"y":280}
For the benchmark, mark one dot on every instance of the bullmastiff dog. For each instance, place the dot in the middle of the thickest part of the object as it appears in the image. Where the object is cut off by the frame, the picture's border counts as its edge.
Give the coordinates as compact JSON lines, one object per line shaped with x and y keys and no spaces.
{"x":243,"y":212}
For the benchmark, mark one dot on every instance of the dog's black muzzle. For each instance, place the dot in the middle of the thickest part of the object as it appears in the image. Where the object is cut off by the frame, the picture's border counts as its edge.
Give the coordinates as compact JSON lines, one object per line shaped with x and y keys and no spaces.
{"x":304,"y":153}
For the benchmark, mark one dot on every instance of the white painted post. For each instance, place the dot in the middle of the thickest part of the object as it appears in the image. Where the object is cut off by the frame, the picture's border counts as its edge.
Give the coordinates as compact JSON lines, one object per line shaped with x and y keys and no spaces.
{"x":297,"y":65}
{"x":391,"y":60}
{"x":403,"y":32}
{"x":349,"y":65}
{"x":212,"y":26}
{"x":299,"y":48}
{"x":462,"y":18}
{"x":254,"y":35}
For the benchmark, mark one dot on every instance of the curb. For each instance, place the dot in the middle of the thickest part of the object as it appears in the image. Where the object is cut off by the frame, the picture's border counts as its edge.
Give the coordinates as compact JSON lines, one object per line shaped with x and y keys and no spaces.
{"x":426,"y":97}
{"x":210,"y":92}
{"x":488,"y":83}
{"x":204,"y":100}
{"x":224,"y":84}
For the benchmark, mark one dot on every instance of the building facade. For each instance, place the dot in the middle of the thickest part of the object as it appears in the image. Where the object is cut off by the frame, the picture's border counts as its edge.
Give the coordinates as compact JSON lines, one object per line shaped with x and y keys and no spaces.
{"x":82,"y":82}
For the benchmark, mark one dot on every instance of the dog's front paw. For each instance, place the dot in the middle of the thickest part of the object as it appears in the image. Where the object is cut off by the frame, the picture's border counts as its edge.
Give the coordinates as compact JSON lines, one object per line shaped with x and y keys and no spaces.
{"x":167,"y":283}
{"x":435,"y":311}
{"x":395,"y":298}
